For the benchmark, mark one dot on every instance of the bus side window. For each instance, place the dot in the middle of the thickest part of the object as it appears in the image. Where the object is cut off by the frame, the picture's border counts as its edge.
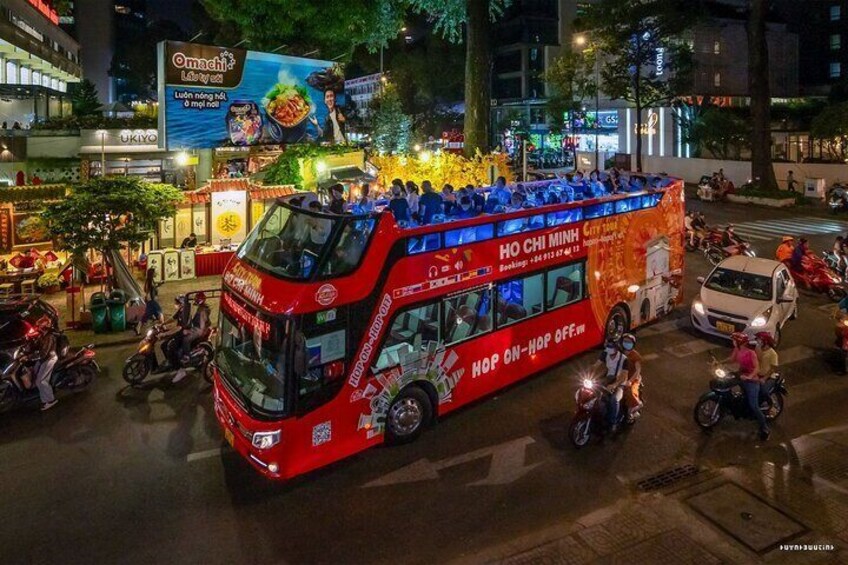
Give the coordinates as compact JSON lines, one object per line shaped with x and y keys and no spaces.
{"x":565,"y":285}
{"x":325,"y":355}
{"x":519,"y":299}
{"x":410,"y":332}
{"x":468,"y":315}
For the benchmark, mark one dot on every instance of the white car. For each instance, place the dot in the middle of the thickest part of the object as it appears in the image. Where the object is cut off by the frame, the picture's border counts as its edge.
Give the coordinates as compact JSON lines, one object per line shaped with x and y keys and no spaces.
{"x":745,"y":294}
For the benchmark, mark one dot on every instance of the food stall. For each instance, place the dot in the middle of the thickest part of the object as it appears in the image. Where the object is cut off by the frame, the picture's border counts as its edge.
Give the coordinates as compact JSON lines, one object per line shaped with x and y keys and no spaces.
{"x":220,"y":214}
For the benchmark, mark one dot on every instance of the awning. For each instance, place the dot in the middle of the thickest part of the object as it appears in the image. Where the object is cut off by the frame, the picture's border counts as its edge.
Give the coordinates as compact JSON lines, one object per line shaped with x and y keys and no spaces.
{"x":346,"y":174}
{"x":256,"y":191}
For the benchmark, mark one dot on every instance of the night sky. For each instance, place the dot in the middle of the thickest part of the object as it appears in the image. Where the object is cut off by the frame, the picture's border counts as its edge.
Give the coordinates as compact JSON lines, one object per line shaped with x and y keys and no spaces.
{"x":178,"y":11}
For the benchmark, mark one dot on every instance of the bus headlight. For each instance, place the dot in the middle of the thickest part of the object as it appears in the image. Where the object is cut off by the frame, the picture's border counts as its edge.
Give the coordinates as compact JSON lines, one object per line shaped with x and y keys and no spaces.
{"x":265,"y":440}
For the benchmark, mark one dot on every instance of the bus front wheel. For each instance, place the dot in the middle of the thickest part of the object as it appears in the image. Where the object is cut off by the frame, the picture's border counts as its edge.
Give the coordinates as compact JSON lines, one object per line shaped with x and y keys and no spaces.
{"x":408,"y":415}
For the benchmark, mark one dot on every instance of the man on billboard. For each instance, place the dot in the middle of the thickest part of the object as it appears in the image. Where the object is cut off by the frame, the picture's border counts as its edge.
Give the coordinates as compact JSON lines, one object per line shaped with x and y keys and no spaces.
{"x":334,"y":126}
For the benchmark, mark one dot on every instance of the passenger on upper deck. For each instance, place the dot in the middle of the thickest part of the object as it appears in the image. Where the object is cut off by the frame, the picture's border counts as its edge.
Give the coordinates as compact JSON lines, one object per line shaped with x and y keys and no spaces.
{"x":448,"y":199}
{"x":412,"y":199}
{"x":500,"y":191}
{"x":595,"y":189}
{"x":399,"y":205}
{"x":319,"y":228}
{"x":337,"y":202}
{"x":465,"y":208}
{"x":429,"y":204}
{"x":364,"y":204}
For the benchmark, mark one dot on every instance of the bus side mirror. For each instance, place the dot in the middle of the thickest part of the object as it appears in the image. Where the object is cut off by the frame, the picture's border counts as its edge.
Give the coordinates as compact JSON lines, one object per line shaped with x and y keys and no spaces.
{"x":299,"y":364}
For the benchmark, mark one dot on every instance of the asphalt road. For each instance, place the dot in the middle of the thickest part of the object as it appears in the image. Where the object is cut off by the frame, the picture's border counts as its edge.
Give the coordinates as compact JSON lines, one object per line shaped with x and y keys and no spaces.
{"x":139,"y":476}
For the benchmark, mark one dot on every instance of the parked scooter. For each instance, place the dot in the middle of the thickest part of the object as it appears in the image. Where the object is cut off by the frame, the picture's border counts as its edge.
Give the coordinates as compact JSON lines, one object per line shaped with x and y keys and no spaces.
{"x":716,"y":253}
{"x":837,"y":198}
{"x":73,"y":372}
{"x":591,"y":415}
{"x":817,"y":276}
{"x":726,"y":398}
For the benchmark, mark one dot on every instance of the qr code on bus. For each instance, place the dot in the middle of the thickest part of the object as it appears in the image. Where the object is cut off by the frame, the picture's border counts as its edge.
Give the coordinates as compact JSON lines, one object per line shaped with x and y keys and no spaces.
{"x":322,"y":433}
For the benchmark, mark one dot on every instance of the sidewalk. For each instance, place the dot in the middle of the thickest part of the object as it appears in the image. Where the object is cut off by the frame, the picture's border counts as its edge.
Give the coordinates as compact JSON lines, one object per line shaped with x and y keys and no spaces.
{"x":713,"y":517}
{"x":167,"y":292}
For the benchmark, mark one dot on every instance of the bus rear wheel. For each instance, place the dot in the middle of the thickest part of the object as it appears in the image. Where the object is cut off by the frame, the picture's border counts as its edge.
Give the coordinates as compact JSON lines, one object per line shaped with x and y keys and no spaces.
{"x":617,"y":324}
{"x":407,"y":416}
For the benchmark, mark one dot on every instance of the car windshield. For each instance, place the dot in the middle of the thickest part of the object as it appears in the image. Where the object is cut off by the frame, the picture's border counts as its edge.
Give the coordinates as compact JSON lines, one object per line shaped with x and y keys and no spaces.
{"x":737,"y":283}
{"x":253,"y":366}
{"x":289,"y":241}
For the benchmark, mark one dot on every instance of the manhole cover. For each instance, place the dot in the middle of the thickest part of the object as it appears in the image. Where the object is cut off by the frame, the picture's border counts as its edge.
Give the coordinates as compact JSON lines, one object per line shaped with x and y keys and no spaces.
{"x":667,"y":478}
{"x":746,"y":518}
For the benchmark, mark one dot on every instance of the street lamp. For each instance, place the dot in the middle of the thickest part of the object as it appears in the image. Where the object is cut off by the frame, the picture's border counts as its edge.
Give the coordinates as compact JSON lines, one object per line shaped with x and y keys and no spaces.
{"x":102,"y":134}
{"x":592,"y":47}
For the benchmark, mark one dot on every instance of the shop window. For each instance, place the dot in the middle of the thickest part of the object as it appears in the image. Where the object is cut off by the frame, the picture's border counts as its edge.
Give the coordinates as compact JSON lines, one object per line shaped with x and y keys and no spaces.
{"x":565,"y":285}
{"x":835,"y":42}
{"x":717,"y":47}
{"x":519,"y":299}
{"x":835,"y":70}
{"x":411,"y":332}
{"x":467,"y":315}
{"x":835,"y":13}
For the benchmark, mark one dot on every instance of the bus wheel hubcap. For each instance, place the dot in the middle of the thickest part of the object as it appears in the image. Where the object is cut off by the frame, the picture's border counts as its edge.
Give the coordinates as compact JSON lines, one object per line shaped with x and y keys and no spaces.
{"x":405,"y":416}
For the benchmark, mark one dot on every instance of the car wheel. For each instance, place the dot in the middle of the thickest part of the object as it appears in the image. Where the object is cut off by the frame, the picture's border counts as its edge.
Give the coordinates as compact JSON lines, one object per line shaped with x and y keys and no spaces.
{"x":794,"y":315}
{"x":777,"y":336}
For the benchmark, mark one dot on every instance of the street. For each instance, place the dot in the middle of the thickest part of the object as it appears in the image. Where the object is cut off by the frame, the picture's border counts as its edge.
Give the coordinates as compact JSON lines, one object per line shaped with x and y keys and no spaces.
{"x":140,"y":475}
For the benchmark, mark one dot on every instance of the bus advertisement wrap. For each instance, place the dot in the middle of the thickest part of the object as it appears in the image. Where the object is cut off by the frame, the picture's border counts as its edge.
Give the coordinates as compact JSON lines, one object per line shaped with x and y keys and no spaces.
{"x":220,"y":96}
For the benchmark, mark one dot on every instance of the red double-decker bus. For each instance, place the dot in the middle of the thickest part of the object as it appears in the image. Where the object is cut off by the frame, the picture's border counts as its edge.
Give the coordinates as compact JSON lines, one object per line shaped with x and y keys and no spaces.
{"x":340,"y":332}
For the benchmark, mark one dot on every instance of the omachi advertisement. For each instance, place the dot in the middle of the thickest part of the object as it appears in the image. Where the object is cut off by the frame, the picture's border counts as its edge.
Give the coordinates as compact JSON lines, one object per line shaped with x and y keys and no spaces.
{"x":220,"y":96}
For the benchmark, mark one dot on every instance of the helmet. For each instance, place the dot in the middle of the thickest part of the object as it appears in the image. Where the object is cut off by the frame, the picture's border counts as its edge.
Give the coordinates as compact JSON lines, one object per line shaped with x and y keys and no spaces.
{"x":740,"y":338}
{"x":200,"y":298}
{"x":787,"y":238}
{"x":765,"y":338}
{"x":729,"y":227}
{"x":627,"y":342}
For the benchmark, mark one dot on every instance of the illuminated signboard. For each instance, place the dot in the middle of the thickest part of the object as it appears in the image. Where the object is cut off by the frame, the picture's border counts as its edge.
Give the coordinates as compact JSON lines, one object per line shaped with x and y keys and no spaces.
{"x":46,"y":10}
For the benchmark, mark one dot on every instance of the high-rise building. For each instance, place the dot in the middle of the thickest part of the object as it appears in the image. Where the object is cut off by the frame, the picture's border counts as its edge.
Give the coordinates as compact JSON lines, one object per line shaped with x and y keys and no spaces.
{"x":37,"y":62}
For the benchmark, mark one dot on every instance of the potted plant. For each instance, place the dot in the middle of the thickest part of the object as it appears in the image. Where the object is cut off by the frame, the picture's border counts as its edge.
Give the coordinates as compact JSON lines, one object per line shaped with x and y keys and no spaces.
{"x":48,"y":283}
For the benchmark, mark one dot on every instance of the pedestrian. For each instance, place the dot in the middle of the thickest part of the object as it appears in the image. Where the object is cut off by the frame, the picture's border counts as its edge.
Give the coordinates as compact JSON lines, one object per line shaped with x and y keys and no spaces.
{"x":152,"y":309}
{"x":791,"y":182}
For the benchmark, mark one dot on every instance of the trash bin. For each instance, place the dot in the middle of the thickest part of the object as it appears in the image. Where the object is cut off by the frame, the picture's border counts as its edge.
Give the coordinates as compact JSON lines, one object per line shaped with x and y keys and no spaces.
{"x":99,"y":313}
{"x":117,"y":310}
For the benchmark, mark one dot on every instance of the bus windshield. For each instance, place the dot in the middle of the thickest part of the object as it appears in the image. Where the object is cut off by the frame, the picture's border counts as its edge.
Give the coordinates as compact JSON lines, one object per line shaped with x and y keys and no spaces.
{"x":255,"y":367}
{"x":289,"y":241}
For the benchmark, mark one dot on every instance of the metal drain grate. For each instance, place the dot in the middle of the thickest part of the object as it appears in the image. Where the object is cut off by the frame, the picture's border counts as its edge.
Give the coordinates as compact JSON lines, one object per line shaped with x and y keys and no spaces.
{"x":667,"y":478}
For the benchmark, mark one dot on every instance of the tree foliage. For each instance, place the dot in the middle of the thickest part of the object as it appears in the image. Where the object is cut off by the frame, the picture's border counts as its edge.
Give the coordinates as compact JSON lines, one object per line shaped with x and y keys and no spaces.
{"x":84,"y":99}
{"x":831,"y":128}
{"x":392,"y":128}
{"x":571,"y":80}
{"x":106,"y":214}
{"x":629,"y":35}
{"x":722,"y":132}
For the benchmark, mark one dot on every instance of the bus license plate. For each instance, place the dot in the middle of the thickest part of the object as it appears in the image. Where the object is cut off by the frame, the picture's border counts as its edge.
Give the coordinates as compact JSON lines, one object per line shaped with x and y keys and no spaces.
{"x":725,"y":327}
{"x":228,"y":435}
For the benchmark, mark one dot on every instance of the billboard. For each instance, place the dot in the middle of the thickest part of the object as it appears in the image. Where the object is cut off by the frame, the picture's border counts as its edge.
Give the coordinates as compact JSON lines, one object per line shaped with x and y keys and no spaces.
{"x":219,"y":96}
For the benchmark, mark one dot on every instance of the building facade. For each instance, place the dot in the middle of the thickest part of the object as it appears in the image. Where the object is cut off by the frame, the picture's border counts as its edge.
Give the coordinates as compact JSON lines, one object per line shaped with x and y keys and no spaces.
{"x":37,"y":62}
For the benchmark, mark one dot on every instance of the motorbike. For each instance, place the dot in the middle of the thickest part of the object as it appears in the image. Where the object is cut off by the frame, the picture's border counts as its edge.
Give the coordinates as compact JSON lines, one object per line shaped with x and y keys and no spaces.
{"x":710,"y":236}
{"x":831,"y":260}
{"x":817,"y":276}
{"x":592,"y":399}
{"x":73,"y":372}
{"x":145,"y":361}
{"x":716,"y":253}
{"x":726,"y":398}
{"x":837,"y":199}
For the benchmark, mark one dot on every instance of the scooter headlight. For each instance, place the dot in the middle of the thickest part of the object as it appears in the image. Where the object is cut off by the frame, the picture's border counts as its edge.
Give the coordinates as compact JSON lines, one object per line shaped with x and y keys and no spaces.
{"x":265,"y":440}
{"x":720,"y":373}
{"x":149,"y":333}
{"x":588,"y":383}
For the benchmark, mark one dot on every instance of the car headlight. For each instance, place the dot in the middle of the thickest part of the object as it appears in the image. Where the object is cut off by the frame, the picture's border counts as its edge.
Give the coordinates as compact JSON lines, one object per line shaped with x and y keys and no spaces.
{"x":588,"y":383}
{"x":699,"y":307}
{"x":761,"y":320}
{"x":265,"y":440}
{"x":150,"y":332}
{"x":720,"y":373}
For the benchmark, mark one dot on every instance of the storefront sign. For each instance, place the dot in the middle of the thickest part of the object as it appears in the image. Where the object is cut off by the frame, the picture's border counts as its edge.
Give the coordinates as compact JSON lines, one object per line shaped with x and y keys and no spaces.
{"x":660,"y":60}
{"x":650,"y":126}
{"x":46,"y":10}
{"x":219,"y":96}
{"x":229,"y":216}
{"x":5,"y":230}
{"x":119,"y":138}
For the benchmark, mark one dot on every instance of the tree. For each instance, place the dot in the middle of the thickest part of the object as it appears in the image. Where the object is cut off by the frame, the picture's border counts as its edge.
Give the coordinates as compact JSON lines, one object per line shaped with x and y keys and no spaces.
{"x":84,"y":99}
{"x":831,"y":128}
{"x":645,"y":60}
{"x":392,"y":129}
{"x":722,"y":132}
{"x":758,"y":85}
{"x":571,"y":80}
{"x":477,"y":16}
{"x":106,"y":214}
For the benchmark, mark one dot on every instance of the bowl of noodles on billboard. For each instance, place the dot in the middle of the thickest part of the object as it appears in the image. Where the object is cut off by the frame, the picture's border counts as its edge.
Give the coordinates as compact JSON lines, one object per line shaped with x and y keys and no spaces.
{"x":288,"y":107}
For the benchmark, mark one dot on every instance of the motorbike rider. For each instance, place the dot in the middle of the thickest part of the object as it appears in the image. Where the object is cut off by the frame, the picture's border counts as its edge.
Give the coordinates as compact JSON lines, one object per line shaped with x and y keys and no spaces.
{"x":785,"y":249}
{"x":730,"y":241}
{"x":198,"y":327}
{"x":748,"y":376}
{"x":45,"y":358}
{"x":796,"y":262}
{"x":687,"y":225}
{"x":768,"y":363}
{"x":633,"y":384}
{"x":614,"y":365}
{"x":839,"y":252}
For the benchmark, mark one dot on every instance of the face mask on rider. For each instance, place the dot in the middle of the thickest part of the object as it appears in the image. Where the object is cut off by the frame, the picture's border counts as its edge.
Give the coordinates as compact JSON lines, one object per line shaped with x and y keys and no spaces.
{"x":611,"y":350}
{"x":627,"y":346}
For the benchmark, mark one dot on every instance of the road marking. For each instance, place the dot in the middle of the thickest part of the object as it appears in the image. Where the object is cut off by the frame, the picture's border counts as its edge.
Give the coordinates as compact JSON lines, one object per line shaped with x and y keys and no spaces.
{"x":203,"y":454}
{"x":691,"y":348}
{"x":507,"y":465}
